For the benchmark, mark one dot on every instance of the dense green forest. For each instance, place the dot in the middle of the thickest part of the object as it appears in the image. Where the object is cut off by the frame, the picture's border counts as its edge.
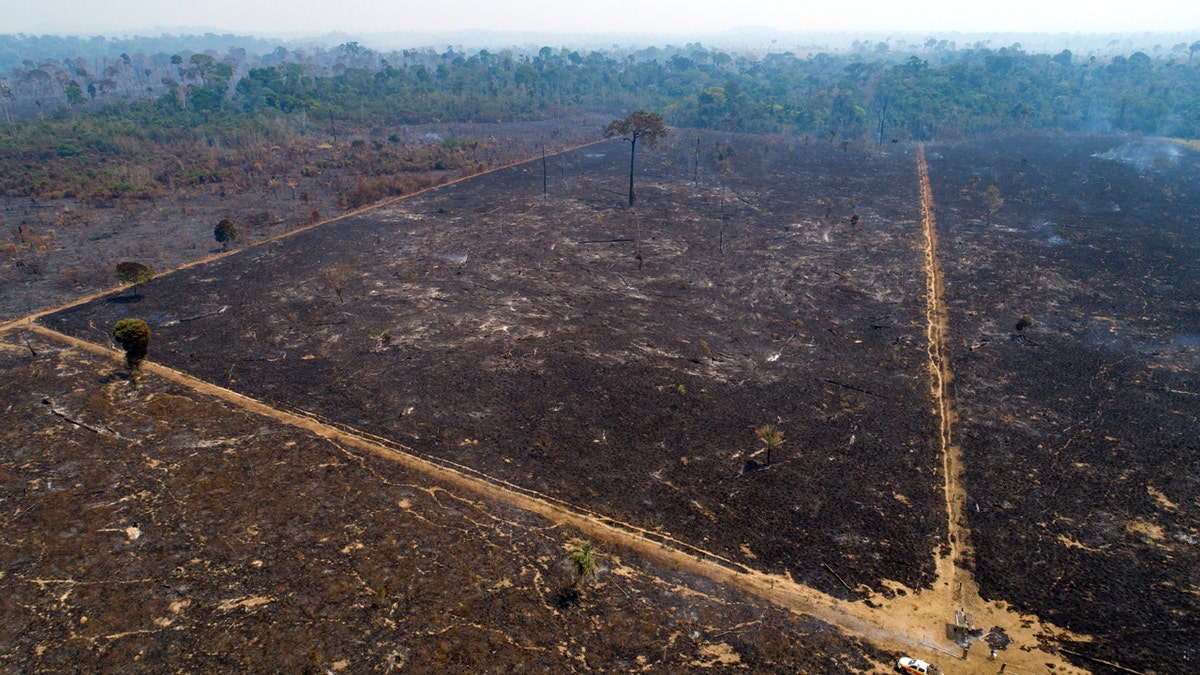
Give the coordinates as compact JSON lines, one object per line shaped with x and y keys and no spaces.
{"x":86,"y":111}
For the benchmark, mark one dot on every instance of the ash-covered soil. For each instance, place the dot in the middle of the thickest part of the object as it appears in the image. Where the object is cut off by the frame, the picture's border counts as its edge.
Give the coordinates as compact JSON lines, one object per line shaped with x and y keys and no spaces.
{"x":56,"y":249}
{"x":1080,"y":430}
{"x":616,"y":358}
{"x":161,"y":530}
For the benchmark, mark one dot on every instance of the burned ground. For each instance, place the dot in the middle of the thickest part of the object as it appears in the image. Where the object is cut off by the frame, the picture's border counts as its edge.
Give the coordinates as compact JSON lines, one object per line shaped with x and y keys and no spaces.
{"x":1079,"y":430}
{"x":170,"y":529}
{"x":59,"y":247}
{"x":617,"y":359}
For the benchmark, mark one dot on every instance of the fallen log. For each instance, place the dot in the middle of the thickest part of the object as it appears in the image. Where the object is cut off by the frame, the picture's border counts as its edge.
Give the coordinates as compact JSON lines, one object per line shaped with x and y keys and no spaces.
{"x":103,"y":431}
{"x":838,"y":576}
{"x":1110,"y":664}
{"x":852,"y":387}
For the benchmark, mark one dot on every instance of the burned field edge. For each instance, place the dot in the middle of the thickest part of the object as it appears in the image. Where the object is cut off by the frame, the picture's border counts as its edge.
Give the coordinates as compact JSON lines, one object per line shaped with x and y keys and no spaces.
{"x":63,"y":247}
{"x":1079,"y":426}
{"x":616,"y":359}
{"x":165,"y":527}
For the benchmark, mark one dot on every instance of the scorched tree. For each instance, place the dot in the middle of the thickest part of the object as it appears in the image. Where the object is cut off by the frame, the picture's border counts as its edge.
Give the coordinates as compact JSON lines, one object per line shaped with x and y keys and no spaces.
{"x":639,"y":125}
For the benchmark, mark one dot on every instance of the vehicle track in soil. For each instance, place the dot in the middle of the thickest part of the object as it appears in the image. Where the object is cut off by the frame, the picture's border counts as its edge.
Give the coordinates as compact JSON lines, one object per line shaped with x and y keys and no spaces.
{"x":912,"y":620}
{"x":950,"y":570}
{"x":955,"y":587}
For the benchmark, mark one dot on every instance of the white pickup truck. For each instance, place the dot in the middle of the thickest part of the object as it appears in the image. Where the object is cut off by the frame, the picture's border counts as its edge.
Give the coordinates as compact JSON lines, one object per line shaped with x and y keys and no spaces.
{"x":916,"y":667}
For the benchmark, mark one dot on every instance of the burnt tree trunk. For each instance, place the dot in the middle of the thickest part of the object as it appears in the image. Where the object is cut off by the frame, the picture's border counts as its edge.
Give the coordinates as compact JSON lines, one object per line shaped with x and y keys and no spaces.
{"x":632,"y":154}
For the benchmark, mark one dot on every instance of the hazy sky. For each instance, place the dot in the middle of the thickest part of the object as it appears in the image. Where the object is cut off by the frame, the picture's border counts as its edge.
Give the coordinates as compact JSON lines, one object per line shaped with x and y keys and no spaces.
{"x":277,"y":17}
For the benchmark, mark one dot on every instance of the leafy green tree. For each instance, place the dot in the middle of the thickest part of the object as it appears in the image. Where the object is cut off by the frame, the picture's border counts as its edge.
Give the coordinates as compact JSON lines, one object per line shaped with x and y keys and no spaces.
{"x":225,"y":233}
{"x":583,"y":562}
{"x":134,"y":273}
{"x":639,"y":125}
{"x":213,"y":78}
{"x":771,"y":437}
{"x":134,"y":337}
{"x":75,"y":95}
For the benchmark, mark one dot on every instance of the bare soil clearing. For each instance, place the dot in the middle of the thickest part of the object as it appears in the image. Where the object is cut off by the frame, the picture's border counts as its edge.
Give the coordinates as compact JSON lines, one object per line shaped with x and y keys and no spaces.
{"x":490,"y":327}
{"x":1079,"y":432}
{"x":896,"y":618}
{"x":618,"y":360}
{"x":176,"y":530}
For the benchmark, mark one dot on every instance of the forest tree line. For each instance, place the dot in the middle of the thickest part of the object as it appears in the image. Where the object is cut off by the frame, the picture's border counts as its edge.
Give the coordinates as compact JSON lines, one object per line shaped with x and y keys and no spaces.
{"x":83,"y":110}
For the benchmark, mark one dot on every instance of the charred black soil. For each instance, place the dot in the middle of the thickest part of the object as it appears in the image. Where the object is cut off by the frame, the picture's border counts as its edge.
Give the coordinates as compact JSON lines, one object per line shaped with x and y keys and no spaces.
{"x":620,"y":359}
{"x":617,"y":358}
{"x":1079,"y":426}
{"x":168,"y":531}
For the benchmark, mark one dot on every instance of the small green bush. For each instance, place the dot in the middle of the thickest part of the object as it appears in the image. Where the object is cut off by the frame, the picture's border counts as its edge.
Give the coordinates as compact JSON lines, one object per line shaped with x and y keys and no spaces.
{"x":134,"y":337}
{"x":771,"y":437}
{"x":225,"y":233}
{"x":134,"y":273}
{"x":583,"y":561}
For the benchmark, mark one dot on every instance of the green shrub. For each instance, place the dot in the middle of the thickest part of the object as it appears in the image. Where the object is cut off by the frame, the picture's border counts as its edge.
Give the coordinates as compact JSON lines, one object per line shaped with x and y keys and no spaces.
{"x":134,"y":337}
{"x":134,"y":273}
{"x":225,"y":233}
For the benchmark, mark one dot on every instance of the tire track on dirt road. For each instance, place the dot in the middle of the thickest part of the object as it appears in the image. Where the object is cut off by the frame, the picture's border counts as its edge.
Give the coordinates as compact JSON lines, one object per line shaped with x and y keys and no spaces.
{"x":949,"y":569}
{"x":955,"y":587}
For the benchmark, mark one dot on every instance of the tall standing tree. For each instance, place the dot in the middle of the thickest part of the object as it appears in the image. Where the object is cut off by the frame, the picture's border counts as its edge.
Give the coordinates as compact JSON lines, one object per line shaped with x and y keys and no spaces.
{"x":225,"y":233}
{"x":134,"y":337}
{"x":134,"y":273}
{"x":639,"y":125}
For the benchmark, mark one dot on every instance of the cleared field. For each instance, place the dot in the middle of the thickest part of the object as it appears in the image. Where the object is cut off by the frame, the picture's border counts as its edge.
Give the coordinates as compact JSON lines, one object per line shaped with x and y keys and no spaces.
{"x":168,"y":530}
{"x":617,"y":359}
{"x":1079,"y":428}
